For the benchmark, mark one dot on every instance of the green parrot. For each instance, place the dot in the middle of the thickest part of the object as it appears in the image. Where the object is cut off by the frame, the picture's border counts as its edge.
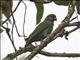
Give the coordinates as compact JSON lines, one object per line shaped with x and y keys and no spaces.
{"x":42,"y":30}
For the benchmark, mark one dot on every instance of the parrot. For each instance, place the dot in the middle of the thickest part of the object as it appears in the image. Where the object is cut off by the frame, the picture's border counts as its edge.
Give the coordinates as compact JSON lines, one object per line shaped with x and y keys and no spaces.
{"x":42,"y":30}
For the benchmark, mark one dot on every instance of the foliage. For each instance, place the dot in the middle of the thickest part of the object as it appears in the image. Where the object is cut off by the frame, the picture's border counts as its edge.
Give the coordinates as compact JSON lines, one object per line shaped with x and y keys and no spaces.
{"x":1,"y":30}
{"x":78,"y":7}
{"x":6,"y":7}
{"x":40,"y":10}
{"x":61,"y":2}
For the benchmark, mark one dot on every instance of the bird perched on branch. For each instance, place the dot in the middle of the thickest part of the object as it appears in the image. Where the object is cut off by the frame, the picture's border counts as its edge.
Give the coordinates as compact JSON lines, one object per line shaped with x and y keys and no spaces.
{"x":42,"y":30}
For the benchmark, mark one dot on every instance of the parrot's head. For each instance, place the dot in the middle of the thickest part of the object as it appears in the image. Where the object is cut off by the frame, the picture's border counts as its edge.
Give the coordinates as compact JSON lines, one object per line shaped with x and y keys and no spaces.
{"x":51,"y":17}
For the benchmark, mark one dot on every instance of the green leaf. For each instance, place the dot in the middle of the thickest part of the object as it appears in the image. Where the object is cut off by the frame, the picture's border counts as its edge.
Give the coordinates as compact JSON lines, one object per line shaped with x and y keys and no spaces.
{"x":40,"y":10}
{"x":78,"y":7}
{"x":0,"y":15}
{"x":0,"y":12}
{"x":41,"y":1}
{"x":1,"y":30}
{"x":6,"y":6}
{"x":61,"y":2}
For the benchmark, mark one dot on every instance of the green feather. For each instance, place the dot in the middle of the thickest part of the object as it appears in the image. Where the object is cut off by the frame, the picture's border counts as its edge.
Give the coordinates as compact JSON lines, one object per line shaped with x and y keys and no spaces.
{"x":48,"y":30}
{"x":40,"y":28}
{"x":40,"y":32}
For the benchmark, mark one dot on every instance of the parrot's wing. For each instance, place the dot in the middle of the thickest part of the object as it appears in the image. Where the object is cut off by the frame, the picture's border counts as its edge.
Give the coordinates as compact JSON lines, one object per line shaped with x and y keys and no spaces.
{"x":37,"y":32}
{"x":48,"y":30}
{"x":39,"y":29}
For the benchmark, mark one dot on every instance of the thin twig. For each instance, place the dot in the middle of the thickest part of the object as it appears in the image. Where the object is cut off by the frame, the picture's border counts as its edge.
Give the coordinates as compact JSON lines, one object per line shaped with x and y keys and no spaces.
{"x":7,"y":31}
{"x":24,"y":19}
{"x":73,"y":18}
{"x":12,"y":31}
{"x":12,"y":12}
{"x":74,"y":29}
{"x":73,"y":24}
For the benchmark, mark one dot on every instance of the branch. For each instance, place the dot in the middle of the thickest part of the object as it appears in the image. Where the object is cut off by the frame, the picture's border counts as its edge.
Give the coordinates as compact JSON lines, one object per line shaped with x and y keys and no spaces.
{"x":74,"y":24}
{"x":60,"y":54}
{"x":19,"y":52}
{"x":30,"y":49}
{"x":68,"y":32}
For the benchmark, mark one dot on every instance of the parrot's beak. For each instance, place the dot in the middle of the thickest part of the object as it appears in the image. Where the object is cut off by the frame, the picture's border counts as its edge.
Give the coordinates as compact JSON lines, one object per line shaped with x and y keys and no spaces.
{"x":55,"y":19}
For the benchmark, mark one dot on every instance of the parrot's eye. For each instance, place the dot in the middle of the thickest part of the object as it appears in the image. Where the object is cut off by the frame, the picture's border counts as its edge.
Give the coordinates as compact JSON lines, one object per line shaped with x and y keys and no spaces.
{"x":53,"y":17}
